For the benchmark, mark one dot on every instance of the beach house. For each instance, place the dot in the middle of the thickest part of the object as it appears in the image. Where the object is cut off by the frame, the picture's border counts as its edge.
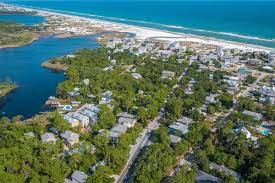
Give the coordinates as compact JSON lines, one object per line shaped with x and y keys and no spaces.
{"x":48,"y":137}
{"x":256,"y":116}
{"x":178,"y":129}
{"x":126,"y":119}
{"x":77,"y":177}
{"x":83,"y":120}
{"x":70,"y":138}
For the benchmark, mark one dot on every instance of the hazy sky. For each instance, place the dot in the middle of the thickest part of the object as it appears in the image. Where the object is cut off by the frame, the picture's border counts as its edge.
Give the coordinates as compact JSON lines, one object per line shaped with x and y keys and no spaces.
{"x":136,"y":0}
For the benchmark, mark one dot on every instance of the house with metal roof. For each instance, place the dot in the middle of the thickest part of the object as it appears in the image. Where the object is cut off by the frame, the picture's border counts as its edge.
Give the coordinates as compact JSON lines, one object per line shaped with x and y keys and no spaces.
{"x":178,"y":128}
{"x":203,"y":177}
{"x":255,"y":115}
{"x":185,"y":120}
{"x":70,"y":138}
{"x":227,"y":171}
{"x":174,"y":139}
{"x":73,"y":122}
{"x":127,"y":120}
{"x":78,"y":177}
{"x":119,"y":128}
{"x":48,"y":137}
{"x":83,"y":120}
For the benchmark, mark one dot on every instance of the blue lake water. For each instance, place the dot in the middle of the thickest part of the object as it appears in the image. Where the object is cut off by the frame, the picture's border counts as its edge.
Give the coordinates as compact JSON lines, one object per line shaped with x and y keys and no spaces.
{"x":242,"y":21}
{"x":24,"y":19}
{"x":36,"y":84}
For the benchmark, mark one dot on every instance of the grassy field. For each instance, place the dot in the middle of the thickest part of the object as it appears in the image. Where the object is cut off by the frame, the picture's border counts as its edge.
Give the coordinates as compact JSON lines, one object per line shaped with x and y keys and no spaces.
{"x":13,"y":34}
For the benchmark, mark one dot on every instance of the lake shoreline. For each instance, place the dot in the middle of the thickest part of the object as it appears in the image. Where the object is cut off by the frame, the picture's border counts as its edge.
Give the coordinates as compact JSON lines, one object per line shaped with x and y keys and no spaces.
{"x":56,"y":67}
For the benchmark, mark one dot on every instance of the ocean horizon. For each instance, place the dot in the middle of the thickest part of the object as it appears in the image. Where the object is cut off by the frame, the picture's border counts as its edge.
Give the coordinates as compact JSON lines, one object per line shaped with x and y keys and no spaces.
{"x":240,"y":21}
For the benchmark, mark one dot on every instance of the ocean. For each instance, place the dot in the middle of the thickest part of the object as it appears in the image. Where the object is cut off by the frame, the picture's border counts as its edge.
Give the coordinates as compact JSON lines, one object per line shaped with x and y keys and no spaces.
{"x":251,"y":22}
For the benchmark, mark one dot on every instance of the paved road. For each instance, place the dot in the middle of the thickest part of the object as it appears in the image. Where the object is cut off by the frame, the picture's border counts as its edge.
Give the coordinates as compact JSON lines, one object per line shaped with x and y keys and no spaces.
{"x":143,"y":140}
{"x":245,"y":93}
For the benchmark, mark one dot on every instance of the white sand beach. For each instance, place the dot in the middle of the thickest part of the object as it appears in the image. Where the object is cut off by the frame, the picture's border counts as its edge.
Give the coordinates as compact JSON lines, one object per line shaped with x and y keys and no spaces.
{"x":143,"y":33}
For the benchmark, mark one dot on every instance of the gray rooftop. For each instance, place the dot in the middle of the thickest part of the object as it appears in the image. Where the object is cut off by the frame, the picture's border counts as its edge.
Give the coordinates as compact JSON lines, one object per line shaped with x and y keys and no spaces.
{"x":127,"y":115}
{"x":253,"y":114}
{"x":227,"y":171}
{"x":70,"y":136}
{"x":119,"y":128}
{"x":79,"y":177}
{"x":174,"y":139}
{"x":179,"y":126}
{"x":48,"y":137}
{"x":126,"y":118}
{"x":203,"y":177}
{"x":185,"y":120}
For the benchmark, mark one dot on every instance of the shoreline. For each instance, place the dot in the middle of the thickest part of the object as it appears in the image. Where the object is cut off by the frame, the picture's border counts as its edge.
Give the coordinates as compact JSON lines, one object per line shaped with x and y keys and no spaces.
{"x":143,"y":33}
{"x":58,"y":67}
{"x":19,"y":44}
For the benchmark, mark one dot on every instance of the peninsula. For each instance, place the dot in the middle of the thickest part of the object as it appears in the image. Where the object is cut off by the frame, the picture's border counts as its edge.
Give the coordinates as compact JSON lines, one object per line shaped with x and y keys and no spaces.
{"x":6,"y":87}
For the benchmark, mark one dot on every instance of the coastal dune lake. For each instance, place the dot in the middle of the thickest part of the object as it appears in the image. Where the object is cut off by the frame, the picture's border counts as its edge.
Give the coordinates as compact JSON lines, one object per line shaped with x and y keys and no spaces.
{"x":36,"y":84}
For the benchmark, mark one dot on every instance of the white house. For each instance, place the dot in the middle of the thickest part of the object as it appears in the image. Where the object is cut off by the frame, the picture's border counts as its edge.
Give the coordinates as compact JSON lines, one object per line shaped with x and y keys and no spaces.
{"x":256,"y":116}
{"x":73,"y":122}
{"x":83,"y":120}
{"x":136,"y":75}
{"x":127,"y":120}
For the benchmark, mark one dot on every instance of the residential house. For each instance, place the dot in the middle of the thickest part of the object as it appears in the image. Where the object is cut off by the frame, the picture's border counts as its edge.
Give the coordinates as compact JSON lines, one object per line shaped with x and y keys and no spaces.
{"x":219,"y":52}
{"x":136,"y":75}
{"x":256,"y":116}
{"x":83,"y":120}
{"x":227,"y":171}
{"x":86,"y":82}
{"x":254,"y":62}
{"x":106,"y":97}
{"x":77,"y":177}
{"x":93,"y":116}
{"x":48,"y":137}
{"x":141,"y":50}
{"x":70,"y":138}
{"x":174,"y":139}
{"x":232,"y":81}
{"x":211,"y":98}
{"x":203,"y":177}
{"x":73,"y":122}
{"x":178,"y":128}
{"x":165,"y":54}
{"x":230,"y":59}
{"x":184,"y":120}
{"x":244,"y":71}
{"x":245,"y":132}
{"x":168,"y":74}
{"x":119,"y":128}
{"x":128,"y":120}
{"x":116,"y":131}
{"x":268,"y":91}
{"x":95,"y":166}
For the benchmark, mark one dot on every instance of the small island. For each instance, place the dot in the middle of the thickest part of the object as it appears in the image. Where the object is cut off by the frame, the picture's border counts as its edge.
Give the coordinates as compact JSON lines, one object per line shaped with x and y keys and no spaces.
{"x":6,"y":87}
